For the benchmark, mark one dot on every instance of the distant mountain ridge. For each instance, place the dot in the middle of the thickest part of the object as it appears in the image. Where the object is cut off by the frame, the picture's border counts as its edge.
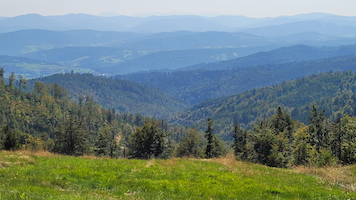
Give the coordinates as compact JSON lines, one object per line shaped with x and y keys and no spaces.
{"x":26,"y":41}
{"x":324,"y":28}
{"x":154,"y":24}
{"x":195,"y":86}
{"x":281,"y":55}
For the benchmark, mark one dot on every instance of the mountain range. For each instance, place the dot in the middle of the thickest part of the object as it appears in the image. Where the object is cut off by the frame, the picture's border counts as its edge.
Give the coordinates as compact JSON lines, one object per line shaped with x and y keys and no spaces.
{"x":155,"y":24}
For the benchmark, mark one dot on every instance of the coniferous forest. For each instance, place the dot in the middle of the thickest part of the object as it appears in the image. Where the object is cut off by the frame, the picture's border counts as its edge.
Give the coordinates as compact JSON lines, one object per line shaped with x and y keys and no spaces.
{"x":49,"y":118}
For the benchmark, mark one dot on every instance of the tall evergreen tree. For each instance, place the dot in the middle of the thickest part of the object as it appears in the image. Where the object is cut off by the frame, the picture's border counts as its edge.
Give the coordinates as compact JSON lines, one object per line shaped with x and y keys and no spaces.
{"x":147,"y":141}
{"x":11,"y":141}
{"x":71,"y":139}
{"x":209,"y":137}
{"x":2,"y":73}
{"x":22,"y":83}
{"x":240,"y":142}
{"x":317,"y":129}
{"x":214,"y":146}
{"x":12,"y":79}
{"x":192,"y":145}
{"x":102,"y":145}
{"x":302,"y":149}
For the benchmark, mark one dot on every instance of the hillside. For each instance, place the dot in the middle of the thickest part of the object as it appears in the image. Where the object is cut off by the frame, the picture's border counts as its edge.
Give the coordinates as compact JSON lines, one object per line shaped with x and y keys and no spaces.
{"x":43,"y":175}
{"x":112,"y":61}
{"x":98,"y":59}
{"x":333,"y":91}
{"x":122,"y":95}
{"x":41,"y":119}
{"x":210,"y":39}
{"x":197,"y":85}
{"x":295,"y":53}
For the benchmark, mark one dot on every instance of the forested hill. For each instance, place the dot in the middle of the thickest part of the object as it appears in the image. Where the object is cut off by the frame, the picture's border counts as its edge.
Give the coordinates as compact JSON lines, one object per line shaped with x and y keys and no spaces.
{"x":122,"y":95}
{"x":198,"y":85}
{"x":38,"y":119}
{"x":333,"y":91}
{"x":282,"y":55}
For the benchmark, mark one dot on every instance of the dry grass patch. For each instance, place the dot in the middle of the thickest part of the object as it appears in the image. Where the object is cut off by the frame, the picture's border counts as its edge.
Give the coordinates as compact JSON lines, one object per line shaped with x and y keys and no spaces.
{"x":334,"y":175}
{"x":35,"y":153}
{"x":169,"y":162}
{"x":150,"y":163}
{"x":229,"y":161}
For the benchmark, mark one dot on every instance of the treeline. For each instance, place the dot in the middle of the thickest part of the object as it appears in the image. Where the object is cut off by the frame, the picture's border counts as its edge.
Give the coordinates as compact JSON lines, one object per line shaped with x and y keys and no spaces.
{"x":280,"y":141}
{"x":47,"y":119}
{"x":333,"y":91}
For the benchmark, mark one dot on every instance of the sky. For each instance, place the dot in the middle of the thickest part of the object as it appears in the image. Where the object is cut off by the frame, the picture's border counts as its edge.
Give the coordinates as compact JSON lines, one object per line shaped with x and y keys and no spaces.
{"x":249,"y":8}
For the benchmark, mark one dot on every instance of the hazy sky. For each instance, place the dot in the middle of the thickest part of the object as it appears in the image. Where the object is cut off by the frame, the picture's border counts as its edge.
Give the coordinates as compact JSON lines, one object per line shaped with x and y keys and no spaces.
{"x":250,"y":8}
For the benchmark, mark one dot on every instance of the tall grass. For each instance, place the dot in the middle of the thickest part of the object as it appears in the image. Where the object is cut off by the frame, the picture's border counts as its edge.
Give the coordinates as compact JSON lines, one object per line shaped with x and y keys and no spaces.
{"x":42,"y":175}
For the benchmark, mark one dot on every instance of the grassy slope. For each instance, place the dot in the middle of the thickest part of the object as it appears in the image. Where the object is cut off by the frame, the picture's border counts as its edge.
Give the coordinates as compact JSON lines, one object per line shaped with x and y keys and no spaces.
{"x":25,"y":176}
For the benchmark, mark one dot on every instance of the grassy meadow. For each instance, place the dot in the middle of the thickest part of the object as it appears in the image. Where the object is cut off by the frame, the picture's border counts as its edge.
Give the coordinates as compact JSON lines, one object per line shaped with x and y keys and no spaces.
{"x":42,"y":175}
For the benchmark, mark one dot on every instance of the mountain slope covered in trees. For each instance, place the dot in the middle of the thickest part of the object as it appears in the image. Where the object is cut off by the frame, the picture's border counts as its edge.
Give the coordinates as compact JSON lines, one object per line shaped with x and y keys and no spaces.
{"x":295,"y":53}
{"x":197,"y":85}
{"x":46,"y":119}
{"x":332,"y":91}
{"x":122,"y":95}
{"x":112,"y":61}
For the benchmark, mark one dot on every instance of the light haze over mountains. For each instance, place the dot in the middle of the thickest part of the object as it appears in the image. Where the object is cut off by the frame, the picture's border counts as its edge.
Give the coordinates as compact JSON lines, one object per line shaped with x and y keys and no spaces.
{"x":155,"y":24}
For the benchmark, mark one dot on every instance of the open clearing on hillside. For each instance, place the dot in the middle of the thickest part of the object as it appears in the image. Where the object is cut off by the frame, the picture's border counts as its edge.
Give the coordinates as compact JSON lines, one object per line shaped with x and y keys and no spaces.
{"x":26,"y":175}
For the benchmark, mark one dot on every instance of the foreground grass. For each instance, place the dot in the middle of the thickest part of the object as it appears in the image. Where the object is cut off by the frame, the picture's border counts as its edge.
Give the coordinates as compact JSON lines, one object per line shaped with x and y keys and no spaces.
{"x":45,"y":176}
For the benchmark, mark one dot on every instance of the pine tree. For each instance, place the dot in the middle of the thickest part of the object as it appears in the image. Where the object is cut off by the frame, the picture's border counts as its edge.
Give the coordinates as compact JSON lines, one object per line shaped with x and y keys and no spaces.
{"x":147,"y":141}
{"x":71,"y":139}
{"x":240,"y":142}
{"x":114,"y":150}
{"x":214,"y":147}
{"x":102,"y":145}
{"x":2,"y":73}
{"x":192,"y":145}
{"x":11,"y":141}
{"x":22,"y":83}
{"x":12,"y":79}
{"x":209,"y":137}
{"x":319,"y":137}
{"x":302,"y":149}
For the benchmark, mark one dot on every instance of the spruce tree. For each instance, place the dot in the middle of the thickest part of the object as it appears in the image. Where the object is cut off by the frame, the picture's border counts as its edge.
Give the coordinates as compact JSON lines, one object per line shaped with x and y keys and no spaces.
{"x":147,"y":141}
{"x":102,"y":145}
{"x":71,"y":139}
{"x":209,"y":137}
{"x":192,"y":145}
{"x":11,"y":141}
{"x":240,"y":142}
{"x":2,"y":73}
{"x":22,"y":83}
{"x":12,"y":79}
{"x":319,"y":137}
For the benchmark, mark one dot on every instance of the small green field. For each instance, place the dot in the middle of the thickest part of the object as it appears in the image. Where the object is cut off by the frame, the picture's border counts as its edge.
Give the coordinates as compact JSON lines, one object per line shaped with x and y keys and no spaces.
{"x":25,"y":175}
{"x":31,"y":70}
